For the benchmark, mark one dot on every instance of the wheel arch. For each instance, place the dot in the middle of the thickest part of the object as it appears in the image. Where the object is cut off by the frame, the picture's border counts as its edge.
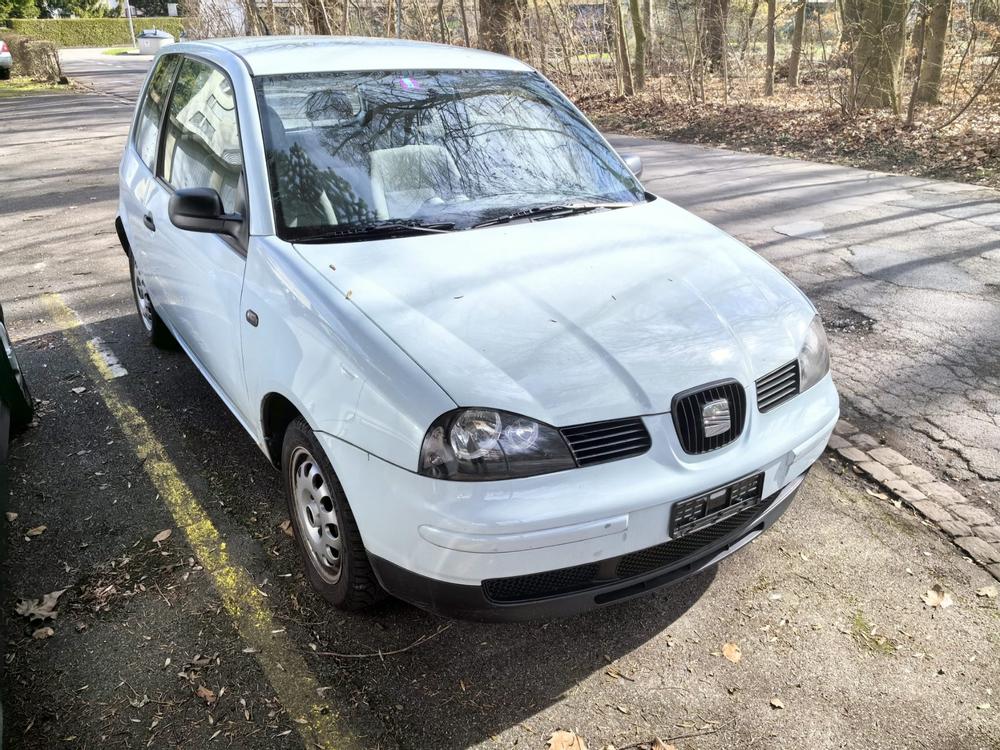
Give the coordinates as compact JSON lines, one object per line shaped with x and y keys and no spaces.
{"x":277,"y":411}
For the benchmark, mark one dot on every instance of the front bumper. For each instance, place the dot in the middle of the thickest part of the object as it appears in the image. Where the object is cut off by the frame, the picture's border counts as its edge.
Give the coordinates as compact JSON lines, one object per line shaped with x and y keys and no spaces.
{"x":474,"y":602}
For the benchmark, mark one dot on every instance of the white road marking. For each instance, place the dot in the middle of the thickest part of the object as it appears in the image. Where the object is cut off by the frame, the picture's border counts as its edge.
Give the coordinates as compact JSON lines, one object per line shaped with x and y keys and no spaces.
{"x":115,"y":368}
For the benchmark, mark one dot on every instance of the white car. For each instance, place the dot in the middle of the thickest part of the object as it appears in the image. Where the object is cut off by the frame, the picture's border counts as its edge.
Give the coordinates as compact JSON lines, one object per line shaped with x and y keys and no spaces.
{"x":501,"y":380}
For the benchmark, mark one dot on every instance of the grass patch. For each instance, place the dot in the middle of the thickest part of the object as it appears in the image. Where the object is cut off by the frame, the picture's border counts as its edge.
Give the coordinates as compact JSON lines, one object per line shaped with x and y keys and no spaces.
{"x":24,"y":86}
{"x":864,"y":634}
{"x":120,"y":51}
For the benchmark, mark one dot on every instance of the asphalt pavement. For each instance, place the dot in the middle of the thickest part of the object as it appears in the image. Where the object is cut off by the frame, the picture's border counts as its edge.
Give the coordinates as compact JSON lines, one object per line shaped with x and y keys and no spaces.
{"x":837,"y":646}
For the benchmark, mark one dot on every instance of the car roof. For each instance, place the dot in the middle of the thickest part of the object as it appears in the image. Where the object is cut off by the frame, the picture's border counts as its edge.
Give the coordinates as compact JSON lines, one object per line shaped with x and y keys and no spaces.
{"x":282,"y":55}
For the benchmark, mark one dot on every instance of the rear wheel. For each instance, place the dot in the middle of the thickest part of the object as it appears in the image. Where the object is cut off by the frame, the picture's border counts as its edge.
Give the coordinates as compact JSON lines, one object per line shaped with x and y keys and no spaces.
{"x":156,"y":330}
{"x":4,"y":74}
{"x":327,"y":535}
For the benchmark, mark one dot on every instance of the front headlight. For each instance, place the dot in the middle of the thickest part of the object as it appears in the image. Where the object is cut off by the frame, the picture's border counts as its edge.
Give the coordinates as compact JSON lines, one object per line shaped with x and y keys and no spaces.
{"x":814,"y":358}
{"x":471,"y":444}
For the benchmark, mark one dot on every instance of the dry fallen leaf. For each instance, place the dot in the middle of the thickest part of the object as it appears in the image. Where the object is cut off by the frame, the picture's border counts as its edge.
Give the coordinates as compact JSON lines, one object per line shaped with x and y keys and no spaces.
{"x":206,"y":695}
{"x":286,"y":526}
{"x":11,"y":517}
{"x":43,"y":633}
{"x":36,"y":531}
{"x":777,"y":703}
{"x":562,"y":740}
{"x":937,"y":597}
{"x":732,"y":652}
{"x":40,"y":609}
{"x":990,"y":592}
{"x":163,"y":536}
{"x":659,"y":744}
{"x":78,"y":390}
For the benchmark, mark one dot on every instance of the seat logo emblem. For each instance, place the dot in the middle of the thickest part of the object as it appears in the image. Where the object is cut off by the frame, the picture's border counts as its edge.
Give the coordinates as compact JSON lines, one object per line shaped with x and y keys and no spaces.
{"x":715,"y":418}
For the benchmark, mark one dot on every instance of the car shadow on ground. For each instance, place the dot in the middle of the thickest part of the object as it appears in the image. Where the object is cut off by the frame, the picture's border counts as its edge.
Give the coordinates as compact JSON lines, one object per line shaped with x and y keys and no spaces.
{"x":399,"y":676}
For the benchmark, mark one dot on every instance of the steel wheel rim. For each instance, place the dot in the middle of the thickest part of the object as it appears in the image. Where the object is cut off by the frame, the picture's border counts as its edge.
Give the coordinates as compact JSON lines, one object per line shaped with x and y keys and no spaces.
{"x":142,"y":298}
{"x":316,"y":516}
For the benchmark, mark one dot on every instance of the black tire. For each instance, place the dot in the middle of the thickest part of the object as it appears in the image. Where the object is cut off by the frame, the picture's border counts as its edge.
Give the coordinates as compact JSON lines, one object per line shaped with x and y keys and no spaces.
{"x":156,"y":330}
{"x":4,"y":437}
{"x":4,"y":74}
{"x":356,"y":586}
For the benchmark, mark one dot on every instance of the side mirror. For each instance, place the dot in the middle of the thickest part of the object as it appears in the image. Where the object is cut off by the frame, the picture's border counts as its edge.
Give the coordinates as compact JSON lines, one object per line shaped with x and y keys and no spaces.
{"x":200,"y":210}
{"x":633,"y":162}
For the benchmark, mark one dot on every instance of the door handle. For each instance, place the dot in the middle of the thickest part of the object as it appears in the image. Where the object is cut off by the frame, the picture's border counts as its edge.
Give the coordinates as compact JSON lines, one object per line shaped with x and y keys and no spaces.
{"x":148,"y":221}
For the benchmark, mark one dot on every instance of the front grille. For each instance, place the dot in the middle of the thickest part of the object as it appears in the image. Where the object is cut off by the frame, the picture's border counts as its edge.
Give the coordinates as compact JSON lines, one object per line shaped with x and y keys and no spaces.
{"x":687,"y":414}
{"x":669,"y":555}
{"x":777,"y":387}
{"x":598,"y":442}
{"x":539,"y":585}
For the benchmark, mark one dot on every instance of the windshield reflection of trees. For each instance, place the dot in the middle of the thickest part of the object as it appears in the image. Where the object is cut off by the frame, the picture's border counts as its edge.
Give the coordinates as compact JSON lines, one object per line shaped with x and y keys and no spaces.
{"x":499,"y":141}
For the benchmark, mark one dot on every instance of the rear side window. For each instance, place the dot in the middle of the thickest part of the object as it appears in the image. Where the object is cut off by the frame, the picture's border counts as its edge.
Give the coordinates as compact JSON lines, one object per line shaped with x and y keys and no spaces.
{"x":202,"y":137}
{"x":148,"y":126}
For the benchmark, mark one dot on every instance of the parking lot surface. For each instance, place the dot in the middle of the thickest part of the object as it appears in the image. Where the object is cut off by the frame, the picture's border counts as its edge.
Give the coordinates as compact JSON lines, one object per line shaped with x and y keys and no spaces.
{"x":209,"y":635}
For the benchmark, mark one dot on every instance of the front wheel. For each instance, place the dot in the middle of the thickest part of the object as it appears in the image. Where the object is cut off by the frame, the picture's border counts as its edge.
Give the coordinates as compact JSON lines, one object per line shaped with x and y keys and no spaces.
{"x":4,"y":74}
{"x":327,"y":535}
{"x":156,"y":330}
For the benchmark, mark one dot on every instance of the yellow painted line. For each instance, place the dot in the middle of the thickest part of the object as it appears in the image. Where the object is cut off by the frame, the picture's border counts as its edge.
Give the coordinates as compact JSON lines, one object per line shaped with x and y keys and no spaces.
{"x":294,"y":684}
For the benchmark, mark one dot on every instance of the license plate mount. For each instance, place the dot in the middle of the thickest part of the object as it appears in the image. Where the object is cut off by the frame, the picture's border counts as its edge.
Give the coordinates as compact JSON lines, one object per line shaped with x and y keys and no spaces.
{"x":704,"y":510}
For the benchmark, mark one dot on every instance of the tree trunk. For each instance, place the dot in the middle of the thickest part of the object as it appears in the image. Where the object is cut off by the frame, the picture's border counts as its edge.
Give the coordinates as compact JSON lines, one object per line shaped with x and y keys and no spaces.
{"x":345,"y":19}
{"x":714,"y":41}
{"x":878,"y":61}
{"x":850,"y":24}
{"x":935,"y":33}
{"x":769,"y":61}
{"x":796,"y":56}
{"x":501,"y":24}
{"x":465,"y":22}
{"x":440,"y":12}
{"x":639,"y":59}
{"x":628,"y":86}
{"x":921,"y":26}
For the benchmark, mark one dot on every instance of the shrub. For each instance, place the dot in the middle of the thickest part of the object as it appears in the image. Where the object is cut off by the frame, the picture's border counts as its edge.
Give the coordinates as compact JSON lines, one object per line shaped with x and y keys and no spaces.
{"x":34,"y":58}
{"x":92,"y":32}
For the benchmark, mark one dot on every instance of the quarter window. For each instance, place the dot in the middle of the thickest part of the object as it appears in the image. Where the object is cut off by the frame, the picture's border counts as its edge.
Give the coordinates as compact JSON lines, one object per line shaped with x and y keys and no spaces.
{"x":202,"y":139}
{"x":148,"y":126}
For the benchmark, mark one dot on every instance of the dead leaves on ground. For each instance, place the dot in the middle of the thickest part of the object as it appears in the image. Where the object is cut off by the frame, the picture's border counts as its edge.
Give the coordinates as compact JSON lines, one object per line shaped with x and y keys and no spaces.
{"x":568,"y":740}
{"x":162,"y":536}
{"x":937,"y":597}
{"x":40,"y":609}
{"x":988,"y":592}
{"x":563,"y":740}
{"x":732,"y":652}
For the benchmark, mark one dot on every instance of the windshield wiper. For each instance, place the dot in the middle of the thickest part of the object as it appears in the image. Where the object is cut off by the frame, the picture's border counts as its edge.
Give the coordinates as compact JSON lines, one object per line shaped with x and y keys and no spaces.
{"x":561,"y":209}
{"x":380,"y":229}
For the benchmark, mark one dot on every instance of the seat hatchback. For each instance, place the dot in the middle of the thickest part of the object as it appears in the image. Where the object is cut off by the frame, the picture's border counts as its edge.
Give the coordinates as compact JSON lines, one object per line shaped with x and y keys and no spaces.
{"x":499,"y":378}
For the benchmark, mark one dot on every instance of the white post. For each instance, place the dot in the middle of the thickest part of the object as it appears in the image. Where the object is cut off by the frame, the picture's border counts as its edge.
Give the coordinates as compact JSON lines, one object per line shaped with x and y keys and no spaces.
{"x":131,"y":28}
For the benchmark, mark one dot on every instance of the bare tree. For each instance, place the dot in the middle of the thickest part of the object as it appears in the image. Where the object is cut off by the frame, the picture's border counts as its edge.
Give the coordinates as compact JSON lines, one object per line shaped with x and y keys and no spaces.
{"x":501,"y":24}
{"x":769,"y":60}
{"x":933,"y":41}
{"x":796,"y":55}
{"x":878,"y":58}
{"x":714,"y":39}
{"x":639,"y":58}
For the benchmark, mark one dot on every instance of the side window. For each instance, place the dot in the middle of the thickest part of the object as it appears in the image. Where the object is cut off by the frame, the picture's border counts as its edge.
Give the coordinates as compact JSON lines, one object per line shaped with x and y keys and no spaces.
{"x":147,"y":127}
{"x":202,"y":138}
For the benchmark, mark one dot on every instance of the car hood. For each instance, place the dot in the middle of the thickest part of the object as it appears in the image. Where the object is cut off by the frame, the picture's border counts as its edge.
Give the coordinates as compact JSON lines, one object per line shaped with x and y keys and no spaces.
{"x":575,"y":319}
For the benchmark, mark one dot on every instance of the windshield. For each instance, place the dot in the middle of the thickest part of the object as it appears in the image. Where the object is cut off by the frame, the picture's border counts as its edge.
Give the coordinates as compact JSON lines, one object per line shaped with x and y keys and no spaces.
{"x":447,"y":148}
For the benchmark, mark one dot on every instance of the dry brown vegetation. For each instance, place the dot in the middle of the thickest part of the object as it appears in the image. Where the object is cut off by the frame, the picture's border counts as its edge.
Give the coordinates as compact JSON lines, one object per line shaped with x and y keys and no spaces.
{"x":898,"y":85}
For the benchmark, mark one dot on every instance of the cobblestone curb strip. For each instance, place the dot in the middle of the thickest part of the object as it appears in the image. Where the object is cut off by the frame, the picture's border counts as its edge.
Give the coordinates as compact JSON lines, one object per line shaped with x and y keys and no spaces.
{"x":971,"y":528}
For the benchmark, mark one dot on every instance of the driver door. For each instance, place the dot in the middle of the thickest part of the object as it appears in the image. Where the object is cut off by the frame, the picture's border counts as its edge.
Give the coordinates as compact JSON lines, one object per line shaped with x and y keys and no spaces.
{"x":203,"y":280}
